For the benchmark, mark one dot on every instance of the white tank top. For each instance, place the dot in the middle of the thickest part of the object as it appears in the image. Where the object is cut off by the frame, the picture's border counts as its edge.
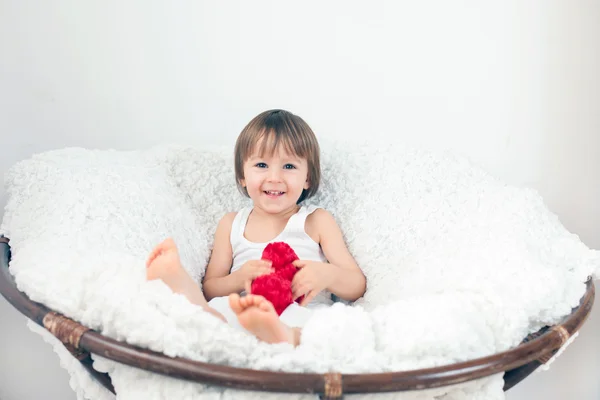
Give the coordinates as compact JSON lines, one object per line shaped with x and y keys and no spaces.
{"x":293,"y":234}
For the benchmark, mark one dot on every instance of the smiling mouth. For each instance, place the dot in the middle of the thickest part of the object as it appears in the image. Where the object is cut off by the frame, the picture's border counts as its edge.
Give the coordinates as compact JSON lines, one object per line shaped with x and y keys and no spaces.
{"x":273,"y":193}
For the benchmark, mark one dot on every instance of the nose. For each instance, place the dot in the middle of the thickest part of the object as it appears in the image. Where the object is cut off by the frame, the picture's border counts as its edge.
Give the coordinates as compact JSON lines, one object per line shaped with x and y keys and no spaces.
{"x":274,"y":175}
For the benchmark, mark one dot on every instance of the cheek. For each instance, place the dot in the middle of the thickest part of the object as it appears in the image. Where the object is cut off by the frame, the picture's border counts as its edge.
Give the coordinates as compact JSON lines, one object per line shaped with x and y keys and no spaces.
{"x":253,"y":182}
{"x":299,"y":181}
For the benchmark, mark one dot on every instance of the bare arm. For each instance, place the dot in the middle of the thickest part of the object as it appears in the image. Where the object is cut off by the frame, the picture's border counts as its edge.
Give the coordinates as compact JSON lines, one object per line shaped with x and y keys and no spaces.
{"x":218,"y":281}
{"x":347,"y":280}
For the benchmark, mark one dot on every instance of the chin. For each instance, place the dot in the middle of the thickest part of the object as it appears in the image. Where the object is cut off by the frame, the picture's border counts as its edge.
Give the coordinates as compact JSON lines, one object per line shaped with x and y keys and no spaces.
{"x":276,"y":208}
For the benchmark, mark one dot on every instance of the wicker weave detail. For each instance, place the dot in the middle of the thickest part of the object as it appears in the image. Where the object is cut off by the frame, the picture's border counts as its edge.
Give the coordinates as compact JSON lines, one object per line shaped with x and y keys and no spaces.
{"x":545,"y":358}
{"x":536,"y":335}
{"x":563,"y":333}
{"x":66,"y":330}
{"x":564,"y":336}
{"x":333,"y":386}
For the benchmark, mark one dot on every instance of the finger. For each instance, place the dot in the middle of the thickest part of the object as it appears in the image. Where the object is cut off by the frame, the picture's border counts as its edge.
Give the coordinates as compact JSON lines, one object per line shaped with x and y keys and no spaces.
{"x":296,"y":281}
{"x":260,"y":265}
{"x":267,"y":270}
{"x":300,"y":287}
{"x":308,"y":298}
{"x":248,"y":286}
{"x":262,"y":271}
{"x":299,"y":263}
{"x":298,"y":276}
{"x":269,"y":267}
{"x":300,"y":291}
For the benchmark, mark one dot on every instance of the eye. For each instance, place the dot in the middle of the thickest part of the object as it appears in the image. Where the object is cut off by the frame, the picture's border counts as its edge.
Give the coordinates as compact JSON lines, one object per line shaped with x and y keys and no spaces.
{"x":261,"y":165}
{"x":289,"y":166}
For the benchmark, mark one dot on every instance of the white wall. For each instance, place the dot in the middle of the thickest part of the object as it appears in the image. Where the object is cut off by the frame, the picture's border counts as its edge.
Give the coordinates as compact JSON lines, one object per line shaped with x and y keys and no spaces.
{"x":511,"y":84}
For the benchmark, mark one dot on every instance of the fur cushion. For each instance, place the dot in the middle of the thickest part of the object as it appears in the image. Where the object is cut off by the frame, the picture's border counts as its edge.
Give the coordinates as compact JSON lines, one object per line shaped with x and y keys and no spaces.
{"x":458,"y":264}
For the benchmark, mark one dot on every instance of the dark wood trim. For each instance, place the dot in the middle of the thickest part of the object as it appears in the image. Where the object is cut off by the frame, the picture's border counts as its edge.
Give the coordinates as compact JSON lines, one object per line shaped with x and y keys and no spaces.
{"x":518,"y":362}
{"x":36,"y":312}
{"x":516,"y":375}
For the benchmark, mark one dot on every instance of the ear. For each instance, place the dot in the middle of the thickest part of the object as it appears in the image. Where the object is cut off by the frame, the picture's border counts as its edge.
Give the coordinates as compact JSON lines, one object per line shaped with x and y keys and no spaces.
{"x":306,"y":184}
{"x":243,"y":182}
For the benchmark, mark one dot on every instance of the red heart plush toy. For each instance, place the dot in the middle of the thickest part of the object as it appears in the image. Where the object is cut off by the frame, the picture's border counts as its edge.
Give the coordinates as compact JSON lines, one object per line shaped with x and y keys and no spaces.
{"x":277,"y":286}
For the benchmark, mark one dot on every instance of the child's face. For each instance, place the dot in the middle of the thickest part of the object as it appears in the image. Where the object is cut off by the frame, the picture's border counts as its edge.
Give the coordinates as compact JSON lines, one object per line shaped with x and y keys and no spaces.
{"x":275,"y":182}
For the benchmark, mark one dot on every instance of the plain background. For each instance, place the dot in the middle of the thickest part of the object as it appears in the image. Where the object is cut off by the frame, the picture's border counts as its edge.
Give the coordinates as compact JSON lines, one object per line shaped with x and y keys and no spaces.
{"x":513,"y":85}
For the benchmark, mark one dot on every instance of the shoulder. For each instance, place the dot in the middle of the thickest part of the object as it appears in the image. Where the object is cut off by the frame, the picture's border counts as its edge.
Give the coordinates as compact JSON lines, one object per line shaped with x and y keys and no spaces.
{"x":229,"y":217}
{"x":319,"y":223}
{"x":319,"y":216}
{"x":226,"y":221}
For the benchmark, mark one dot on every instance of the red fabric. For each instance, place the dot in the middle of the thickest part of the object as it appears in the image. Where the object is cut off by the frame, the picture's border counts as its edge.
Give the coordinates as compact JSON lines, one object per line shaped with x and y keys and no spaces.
{"x":277,"y":286}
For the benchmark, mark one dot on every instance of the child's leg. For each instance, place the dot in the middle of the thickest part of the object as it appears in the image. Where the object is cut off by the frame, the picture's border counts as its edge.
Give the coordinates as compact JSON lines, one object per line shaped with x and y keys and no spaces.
{"x":257,"y":315}
{"x":164,"y":263}
{"x":221,"y":304}
{"x":296,"y":315}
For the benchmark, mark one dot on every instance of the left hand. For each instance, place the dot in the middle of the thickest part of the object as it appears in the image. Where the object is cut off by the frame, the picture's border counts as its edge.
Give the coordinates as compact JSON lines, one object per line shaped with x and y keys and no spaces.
{"x":310,"y":280}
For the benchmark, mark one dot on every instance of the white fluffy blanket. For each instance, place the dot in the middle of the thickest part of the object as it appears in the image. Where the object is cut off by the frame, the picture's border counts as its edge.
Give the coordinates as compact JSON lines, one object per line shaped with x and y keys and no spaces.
{"x":458,"y":264}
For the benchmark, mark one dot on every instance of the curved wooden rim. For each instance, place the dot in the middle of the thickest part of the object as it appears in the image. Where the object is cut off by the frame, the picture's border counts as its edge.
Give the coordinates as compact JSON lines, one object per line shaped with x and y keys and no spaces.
{"x":518,"y":362}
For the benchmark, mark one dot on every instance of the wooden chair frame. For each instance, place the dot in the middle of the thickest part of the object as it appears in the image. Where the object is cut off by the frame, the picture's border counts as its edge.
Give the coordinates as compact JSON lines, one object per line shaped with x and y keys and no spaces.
{"x":516,"y":363}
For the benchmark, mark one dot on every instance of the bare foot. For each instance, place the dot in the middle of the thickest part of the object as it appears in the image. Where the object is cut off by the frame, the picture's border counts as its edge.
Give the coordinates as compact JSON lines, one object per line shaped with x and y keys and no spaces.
{"x":258,"y":316}
{"x":164,"y":264}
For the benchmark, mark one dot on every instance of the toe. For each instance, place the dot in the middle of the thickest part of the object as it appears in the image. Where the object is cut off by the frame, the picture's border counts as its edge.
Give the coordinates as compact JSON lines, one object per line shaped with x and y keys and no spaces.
{"x":256,"y":300}
{"x":265,"y":306}
{"x":169,"y":244}
{"x":235,"y":302}
{"x":244,"y":301}
{"x":155,"y":252}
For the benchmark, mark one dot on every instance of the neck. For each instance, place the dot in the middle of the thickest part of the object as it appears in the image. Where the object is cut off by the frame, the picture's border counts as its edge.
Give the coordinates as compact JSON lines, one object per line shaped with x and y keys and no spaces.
{"x":285,"y":214}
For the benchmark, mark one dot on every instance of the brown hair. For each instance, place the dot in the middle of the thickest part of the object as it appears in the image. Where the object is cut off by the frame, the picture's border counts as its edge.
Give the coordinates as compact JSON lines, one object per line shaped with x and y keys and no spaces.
{"x":279,"y":127}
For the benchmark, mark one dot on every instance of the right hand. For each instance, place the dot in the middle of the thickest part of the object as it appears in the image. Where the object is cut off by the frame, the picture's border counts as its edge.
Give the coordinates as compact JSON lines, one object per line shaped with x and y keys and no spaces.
{"x":253,"y":269}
